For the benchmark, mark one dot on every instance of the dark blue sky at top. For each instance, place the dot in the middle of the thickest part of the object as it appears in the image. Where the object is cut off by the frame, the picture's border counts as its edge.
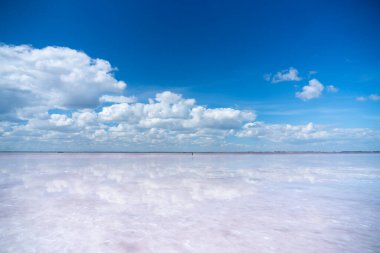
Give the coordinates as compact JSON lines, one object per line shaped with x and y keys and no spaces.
{"x":219,"y":51}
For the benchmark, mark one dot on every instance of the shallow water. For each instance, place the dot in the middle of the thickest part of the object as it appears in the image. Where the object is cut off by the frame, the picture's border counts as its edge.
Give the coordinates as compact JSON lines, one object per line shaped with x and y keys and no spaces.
{"x":182,"y":203}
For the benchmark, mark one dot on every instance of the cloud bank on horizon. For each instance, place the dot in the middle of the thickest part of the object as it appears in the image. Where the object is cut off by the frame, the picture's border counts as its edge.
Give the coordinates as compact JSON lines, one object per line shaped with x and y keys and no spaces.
{"x":57,"y":98}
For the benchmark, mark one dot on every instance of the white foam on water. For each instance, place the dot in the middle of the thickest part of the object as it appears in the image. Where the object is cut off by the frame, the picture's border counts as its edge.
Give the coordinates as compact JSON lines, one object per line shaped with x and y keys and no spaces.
{"x":182,"y":203}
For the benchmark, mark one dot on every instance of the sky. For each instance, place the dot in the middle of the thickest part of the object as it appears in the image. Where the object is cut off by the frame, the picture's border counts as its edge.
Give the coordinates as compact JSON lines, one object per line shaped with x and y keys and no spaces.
{"x":189,"y":75}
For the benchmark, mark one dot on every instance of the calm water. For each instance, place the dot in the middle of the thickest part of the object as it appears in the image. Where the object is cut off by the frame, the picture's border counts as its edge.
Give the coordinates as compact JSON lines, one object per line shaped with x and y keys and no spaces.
{"x":179,"y":203}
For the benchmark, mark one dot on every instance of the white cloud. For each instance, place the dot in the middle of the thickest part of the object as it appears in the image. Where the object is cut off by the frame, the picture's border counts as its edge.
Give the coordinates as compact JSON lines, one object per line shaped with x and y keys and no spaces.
{"x":281,"y":132}
{"x":117,"y":99}
{"x":221,"y":118}
{"x":85,"y":117}
{"x":332,"y":89}
{"x":267,"y":77}
{"x":58,"y":98}
{"x":312,"y":72}
{"x":311,"y":91}
{"x":57,"y":77}
{"x":171,"y":111}
{"x":305,"y":133}
{"x":168,"y":97}
{"x":60,"y":120}
{"x":72,"y":85}
{"x":361,"y":98}
{"x":286,"y":75}
{"x":374,"y":97}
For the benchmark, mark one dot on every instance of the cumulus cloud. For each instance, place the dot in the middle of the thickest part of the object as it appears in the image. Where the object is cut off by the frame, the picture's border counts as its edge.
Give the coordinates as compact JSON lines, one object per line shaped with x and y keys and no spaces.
{"x":170,"y":118}
{"x":281,"y":132}
{"x":171,"y":111}
{"x":332,"y":89}
{"x":286,"y":75}
{"x":60,"y":120}
{"x":361,"y":98}
{"x":57,"y":98}
{"x":117,"y":99}
{"x":58,"y":95}
{"x":308,"y":132}
{"x":373,"y":97}
{"x":312,"y":90}
{"x":57,"y":77}
{"x":312,"y":72}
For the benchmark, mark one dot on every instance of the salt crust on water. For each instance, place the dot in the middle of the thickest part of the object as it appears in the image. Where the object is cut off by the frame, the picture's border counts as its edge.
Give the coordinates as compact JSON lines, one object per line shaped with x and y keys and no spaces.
{"x":182,"y":203}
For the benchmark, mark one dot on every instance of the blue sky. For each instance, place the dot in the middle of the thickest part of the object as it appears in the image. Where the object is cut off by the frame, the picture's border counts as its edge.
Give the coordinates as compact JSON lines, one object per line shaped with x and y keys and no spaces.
{"x":241,"y":56}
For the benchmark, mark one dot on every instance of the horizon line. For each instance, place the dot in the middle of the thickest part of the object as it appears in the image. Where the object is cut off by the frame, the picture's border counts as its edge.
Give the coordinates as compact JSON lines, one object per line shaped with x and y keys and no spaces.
{"x":201,"y":152}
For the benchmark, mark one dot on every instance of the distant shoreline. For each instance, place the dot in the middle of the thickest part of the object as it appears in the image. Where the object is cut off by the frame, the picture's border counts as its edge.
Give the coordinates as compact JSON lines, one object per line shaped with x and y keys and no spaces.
{"x":194,"y":153}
